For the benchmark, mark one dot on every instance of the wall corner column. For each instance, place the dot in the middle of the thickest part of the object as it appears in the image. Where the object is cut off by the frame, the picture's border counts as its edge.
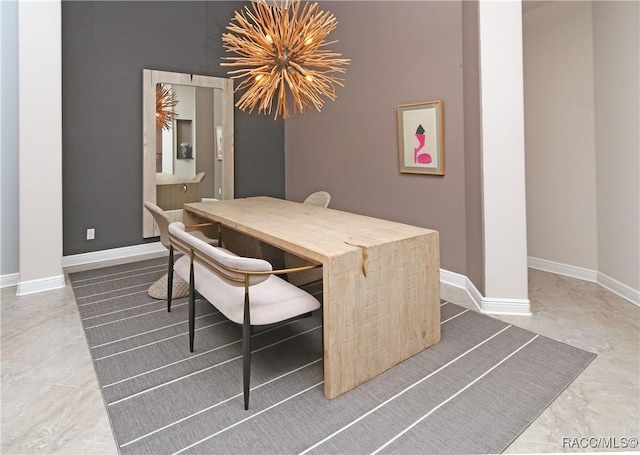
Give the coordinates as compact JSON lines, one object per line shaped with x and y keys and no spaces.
{"x":503,"y":159}
{"x":40,"y":145}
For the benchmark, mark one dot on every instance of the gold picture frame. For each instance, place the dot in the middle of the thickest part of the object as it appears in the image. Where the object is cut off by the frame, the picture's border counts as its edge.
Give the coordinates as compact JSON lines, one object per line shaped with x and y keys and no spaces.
{"x":421,"y":138}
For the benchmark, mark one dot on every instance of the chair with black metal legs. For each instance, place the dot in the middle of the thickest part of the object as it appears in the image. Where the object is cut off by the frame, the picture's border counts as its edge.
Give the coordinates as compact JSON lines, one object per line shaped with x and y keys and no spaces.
{"x":169,"y":286}
{"x":245,"y":290}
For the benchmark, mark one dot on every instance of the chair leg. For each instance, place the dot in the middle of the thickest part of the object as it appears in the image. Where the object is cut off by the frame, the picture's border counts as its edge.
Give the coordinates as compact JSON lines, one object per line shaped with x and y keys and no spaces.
{"x":170,"y":280}
{"x":246,"y":352}
{"x":192,"y":307}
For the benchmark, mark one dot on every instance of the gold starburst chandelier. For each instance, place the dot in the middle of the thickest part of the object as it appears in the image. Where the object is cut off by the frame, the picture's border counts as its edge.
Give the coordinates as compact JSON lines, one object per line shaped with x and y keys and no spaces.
{"x":280,"y":44}
{"x":166,"y":101}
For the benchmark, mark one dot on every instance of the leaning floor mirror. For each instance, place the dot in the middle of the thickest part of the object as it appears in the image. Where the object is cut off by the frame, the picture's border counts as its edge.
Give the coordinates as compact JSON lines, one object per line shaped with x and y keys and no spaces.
{"x":187,"y":142}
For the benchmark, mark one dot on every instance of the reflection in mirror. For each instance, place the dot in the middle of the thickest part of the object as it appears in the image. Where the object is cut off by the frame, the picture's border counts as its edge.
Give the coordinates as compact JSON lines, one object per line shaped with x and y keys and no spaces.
{"x":191,"y":158}
{"x":187,"y":150}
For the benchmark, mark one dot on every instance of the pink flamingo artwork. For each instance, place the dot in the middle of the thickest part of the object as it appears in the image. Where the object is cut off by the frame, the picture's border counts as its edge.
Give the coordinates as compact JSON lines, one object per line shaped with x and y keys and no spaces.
{"x":424,"y":157}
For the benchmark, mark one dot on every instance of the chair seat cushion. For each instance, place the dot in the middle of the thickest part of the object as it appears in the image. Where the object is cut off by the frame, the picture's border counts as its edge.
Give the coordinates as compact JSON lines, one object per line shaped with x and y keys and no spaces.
{"x":272,"y":300}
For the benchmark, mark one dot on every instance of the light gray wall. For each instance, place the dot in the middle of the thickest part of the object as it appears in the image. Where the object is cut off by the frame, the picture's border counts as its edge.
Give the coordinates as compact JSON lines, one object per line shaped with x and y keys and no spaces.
{"x":106,"y":45}
{"x":617,"y":102}
{"x":582,"y":157}
{"x":402,"y":52}
{"x":9,"y":241}
{"x":560,"y":133}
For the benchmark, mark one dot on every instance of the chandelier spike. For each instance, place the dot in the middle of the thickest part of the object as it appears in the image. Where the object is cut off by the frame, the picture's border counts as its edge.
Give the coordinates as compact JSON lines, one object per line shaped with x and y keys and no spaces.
{"x":280,"y":52}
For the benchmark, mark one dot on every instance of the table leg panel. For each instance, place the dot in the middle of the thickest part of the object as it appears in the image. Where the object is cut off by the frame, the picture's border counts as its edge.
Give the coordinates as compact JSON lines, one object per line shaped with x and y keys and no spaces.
{"x":374,"y":322}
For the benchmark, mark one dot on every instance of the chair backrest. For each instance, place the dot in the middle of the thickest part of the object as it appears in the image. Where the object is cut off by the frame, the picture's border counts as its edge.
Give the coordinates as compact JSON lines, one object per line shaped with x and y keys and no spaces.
{"x":199,"y":177}
{"x":162,"y":220}
{"x":226,"y":265}
{"x":319,"y":198}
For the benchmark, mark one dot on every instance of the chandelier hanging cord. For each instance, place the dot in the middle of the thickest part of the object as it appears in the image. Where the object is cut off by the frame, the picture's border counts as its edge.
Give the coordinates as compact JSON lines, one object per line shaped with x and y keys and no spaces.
{"x":281,"y":46}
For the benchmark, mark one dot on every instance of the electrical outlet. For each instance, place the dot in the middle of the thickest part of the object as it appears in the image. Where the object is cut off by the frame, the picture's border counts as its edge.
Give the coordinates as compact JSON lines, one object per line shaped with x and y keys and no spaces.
{"x":219,"y":190}
{"x":91,"y":234}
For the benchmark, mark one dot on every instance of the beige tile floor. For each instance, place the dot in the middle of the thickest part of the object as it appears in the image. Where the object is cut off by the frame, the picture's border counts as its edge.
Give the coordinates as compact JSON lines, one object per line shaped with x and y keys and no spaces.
{"x":51,"y":402}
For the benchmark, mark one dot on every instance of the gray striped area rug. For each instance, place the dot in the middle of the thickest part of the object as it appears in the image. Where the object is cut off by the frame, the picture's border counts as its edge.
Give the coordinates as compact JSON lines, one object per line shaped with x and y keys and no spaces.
{"x":474,"y":392}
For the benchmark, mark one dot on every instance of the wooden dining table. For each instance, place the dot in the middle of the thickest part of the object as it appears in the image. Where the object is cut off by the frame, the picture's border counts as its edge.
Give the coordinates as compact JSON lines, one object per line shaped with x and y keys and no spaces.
{"x":381,"y":279}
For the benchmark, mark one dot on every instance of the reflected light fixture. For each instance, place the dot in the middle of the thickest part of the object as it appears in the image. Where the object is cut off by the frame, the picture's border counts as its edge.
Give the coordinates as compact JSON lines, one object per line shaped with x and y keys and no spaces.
{"x":280,"y":44}
{"x":166,"y":101}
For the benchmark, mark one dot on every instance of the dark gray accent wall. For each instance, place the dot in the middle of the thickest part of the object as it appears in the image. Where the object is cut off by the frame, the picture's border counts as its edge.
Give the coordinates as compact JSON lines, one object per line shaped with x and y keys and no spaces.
{"x":105,"y":47}
{"x":401,"y":52}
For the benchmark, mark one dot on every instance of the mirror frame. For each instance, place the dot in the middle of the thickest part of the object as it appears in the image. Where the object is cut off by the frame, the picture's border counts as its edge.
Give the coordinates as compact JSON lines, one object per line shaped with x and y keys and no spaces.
{"x":150,"y":78}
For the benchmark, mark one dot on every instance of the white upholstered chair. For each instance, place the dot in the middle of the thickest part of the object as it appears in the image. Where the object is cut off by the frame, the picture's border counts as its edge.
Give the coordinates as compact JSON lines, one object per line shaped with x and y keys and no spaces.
{"x":319,"y":199}
{"x":169,"y":286}
{"x":245,"y":290}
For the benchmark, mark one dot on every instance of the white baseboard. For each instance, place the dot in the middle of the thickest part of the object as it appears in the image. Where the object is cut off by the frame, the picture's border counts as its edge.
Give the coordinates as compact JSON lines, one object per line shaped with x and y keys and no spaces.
{"x":113,"y":253}
{"x":571,"y":271}
{"x":453,"y":279}
{"x":40,"y":285}
{"x":593,"y":276}
{"x":94,"y":257}
{"x":487,"y":305}
{"x":8,"y":280}
{"x":509,"y":307}
{"x":621,"y":289}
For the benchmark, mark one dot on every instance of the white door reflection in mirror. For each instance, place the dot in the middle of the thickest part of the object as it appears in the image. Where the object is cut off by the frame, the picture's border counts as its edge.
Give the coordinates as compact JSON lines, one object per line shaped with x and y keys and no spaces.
{"x":193,"y":159}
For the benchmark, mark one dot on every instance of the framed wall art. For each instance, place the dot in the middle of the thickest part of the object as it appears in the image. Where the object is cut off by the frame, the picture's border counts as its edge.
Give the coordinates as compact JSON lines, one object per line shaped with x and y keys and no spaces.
{"x":421,"y":138}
